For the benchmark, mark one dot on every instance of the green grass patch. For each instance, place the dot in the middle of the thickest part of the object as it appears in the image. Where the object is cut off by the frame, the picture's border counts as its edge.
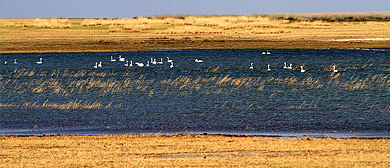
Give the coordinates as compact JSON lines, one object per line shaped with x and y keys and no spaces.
{"x":89,"y":27}
{"x":164,"y":27}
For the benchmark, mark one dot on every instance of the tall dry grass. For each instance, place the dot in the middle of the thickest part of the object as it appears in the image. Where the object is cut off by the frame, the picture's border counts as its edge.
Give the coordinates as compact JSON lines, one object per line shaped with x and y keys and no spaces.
{"x":189,"y":24}
{"x":106,"y":83}
{"x":49,"y":23}
{"x":136,"y":28}
{"x":71,"y":105}
{"x":66,"y":83}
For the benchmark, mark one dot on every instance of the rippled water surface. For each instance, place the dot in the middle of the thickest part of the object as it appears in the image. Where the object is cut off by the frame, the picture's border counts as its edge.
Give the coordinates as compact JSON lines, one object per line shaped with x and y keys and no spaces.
{"x":67,"y":95}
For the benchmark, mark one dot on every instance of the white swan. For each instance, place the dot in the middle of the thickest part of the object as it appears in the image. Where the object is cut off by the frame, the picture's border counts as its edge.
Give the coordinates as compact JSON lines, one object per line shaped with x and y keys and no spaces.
{"x":263,"y":53}
{"x":251,"y":67}
{"x":147,"y":63}
{"x":168,"y":60}
{"x":268,"y":53}
{"x":285,"y":65}
{"x":112,"y":59}
{"x":160,"y":62}
{"x":269,"y":68}
{"x":121,"y":59}
{"x":334,"y":69}
{"x":140,"y":64}
{"x":131,"y":64}
{"x":15,"y":62}
{"x":40,"y":61}
{"x":302,"y":70}
{"x":153,"y":61}
{"x":171,"y":66}
{"x":290,"y":67}
{"x":127,"y":63}
{"x":100,"y":64}
{"x":96,"y":65}
{"x":5,"y":62}
{"x":198,"y":60}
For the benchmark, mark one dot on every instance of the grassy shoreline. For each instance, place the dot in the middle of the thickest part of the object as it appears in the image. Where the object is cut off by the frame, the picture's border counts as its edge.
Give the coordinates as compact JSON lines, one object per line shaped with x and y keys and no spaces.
{"x":191,"y":150}
{"x":232,"y":44}
{"x":310,"y":31}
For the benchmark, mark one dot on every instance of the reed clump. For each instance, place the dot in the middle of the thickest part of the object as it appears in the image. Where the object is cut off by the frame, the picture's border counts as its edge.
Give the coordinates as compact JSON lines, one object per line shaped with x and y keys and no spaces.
{"x":9,"y":24}
{"x":71,"y":105}
{"x":305,"y":105}
{"x":114,"y":30}
{"x":7,"y":105}
{"x":190,"y":30}
{"x":136,"y":28}
{"x":371,"y":82}
{"x":119,"y":22}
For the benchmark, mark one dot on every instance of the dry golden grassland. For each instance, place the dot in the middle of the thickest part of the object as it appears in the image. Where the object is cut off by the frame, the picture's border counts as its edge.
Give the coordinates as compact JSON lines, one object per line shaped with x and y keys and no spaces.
{"x":191,"y":151}
{"x":194,"y":32}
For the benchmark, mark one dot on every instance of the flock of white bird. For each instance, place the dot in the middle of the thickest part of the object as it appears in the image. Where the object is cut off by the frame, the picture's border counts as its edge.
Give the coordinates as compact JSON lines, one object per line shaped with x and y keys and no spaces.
{"x":153,"y":61}
{"x":290,"y":67}
{"x":284,"y":67}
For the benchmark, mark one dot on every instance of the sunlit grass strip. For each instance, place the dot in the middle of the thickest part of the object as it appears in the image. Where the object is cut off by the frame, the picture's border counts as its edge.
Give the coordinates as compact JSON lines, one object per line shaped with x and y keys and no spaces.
{"x":8,"y":105}
{"x":192,"y":24}
{"x":71,"y":105}
{"x":250,"y":24}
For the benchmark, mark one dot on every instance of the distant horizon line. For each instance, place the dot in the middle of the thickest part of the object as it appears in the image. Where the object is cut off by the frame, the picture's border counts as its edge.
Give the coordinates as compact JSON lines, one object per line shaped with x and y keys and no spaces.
{"x":366,"y":13}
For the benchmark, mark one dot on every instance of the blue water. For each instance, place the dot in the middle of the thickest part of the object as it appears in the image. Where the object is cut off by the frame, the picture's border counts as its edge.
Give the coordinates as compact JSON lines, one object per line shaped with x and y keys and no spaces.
{"x":194,"y":97}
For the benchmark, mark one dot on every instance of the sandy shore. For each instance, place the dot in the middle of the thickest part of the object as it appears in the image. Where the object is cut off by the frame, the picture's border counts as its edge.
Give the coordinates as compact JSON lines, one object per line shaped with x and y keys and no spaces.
{"x":190,"y":151}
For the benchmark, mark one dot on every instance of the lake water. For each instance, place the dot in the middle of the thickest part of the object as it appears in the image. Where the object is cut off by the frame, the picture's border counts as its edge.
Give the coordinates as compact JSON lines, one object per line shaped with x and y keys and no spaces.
{"x":67,"y":95}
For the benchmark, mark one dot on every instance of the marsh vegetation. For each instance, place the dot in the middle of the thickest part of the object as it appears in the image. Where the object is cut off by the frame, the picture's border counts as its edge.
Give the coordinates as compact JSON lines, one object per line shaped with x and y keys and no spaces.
{"x":220,"y":94}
